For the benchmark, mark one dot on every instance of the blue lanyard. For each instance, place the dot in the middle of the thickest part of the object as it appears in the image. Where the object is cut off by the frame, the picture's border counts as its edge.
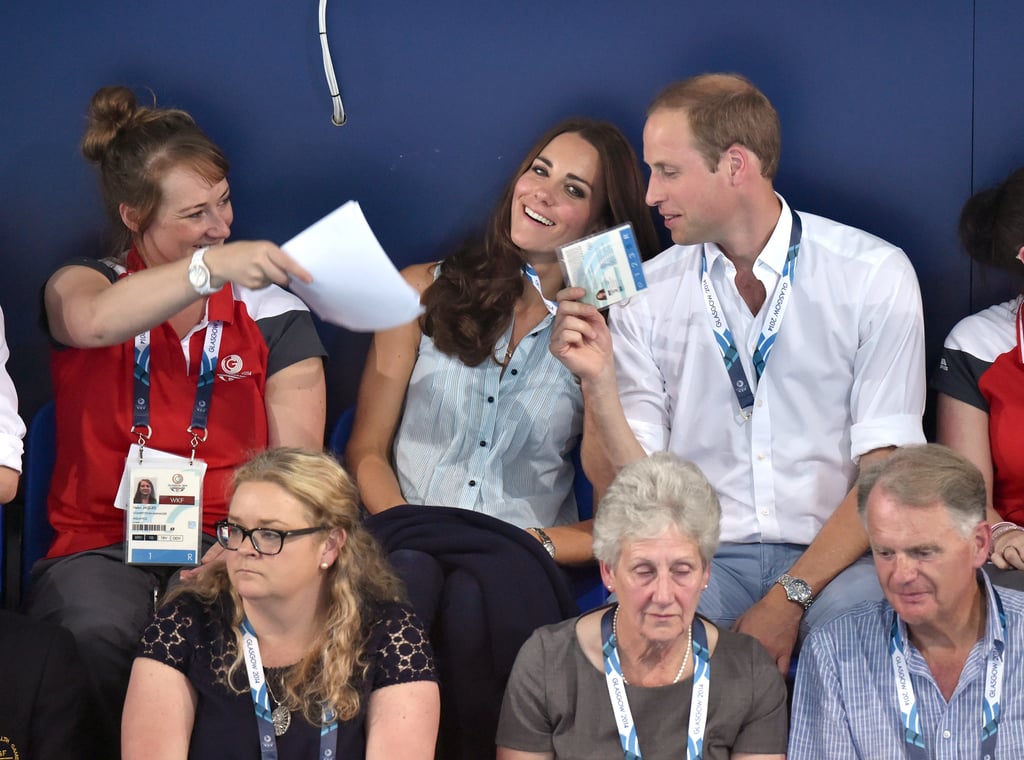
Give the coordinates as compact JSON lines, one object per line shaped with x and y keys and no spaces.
{"x":616,"y":683}
{"x":769,"y":332}
{"x":261,"y":704}
{"x":204,"y":388}
{"x":913,"y":732}
{"x":533,"y":277}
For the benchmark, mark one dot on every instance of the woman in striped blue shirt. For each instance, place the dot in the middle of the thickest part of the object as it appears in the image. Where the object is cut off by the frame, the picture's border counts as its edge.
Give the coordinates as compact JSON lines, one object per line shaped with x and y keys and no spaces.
{"x":466,"y":407}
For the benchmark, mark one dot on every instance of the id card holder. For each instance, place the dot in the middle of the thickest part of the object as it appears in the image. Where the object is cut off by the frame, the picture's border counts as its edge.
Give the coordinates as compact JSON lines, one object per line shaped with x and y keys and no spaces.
{"x":164,"y":515}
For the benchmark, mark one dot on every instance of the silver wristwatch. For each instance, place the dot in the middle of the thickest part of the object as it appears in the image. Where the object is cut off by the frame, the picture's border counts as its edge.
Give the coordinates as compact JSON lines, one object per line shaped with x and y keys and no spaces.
{"x":546,"y":541}
{"x":199,"y":274}
{"x":797,"y":590}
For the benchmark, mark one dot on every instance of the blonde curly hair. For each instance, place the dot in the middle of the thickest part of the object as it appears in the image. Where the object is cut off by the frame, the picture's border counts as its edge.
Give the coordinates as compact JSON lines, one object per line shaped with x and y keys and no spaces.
{"x":334,"y":668}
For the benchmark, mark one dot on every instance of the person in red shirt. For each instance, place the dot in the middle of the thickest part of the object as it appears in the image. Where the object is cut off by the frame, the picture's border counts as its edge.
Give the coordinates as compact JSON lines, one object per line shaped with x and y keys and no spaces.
{"x":980,"y":374}
{"x":136,"y":329}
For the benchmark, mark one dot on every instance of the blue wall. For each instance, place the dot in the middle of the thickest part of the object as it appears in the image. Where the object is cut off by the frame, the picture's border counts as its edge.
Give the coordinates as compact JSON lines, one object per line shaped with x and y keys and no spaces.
{"x":892,"y":114}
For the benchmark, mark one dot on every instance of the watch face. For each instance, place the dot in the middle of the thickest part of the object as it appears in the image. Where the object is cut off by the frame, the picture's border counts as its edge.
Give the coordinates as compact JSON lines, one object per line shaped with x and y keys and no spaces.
{"x":797,"y":590}
{"x":801,"y":591}
{"x":199,"y":276}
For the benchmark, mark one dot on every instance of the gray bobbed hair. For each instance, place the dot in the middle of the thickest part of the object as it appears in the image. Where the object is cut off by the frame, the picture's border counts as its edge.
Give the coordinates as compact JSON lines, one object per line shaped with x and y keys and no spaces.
{"x":649,"y":495}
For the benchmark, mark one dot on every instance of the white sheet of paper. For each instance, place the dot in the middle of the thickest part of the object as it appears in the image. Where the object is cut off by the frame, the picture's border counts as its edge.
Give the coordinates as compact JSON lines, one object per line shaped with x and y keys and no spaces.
{"x":355,"y":285}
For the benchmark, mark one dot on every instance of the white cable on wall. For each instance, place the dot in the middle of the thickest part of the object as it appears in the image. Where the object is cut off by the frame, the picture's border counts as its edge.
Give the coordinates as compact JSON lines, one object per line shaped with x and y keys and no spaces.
{"x":339,"y":117}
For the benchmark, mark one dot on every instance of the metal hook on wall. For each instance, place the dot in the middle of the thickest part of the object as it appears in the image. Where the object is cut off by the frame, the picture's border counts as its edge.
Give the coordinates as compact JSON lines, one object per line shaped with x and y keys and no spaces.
{"x":339,"y":117}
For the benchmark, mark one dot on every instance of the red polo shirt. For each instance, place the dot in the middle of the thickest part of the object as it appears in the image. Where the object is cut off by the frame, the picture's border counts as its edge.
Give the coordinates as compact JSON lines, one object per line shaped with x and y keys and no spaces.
{"x":264,"y":331}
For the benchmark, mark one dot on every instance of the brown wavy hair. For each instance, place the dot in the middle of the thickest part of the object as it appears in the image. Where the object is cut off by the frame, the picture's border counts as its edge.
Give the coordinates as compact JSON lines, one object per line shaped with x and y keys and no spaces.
{"x":471,"y":302}
{"x":360,"y":579}
{"x":135,"y":146}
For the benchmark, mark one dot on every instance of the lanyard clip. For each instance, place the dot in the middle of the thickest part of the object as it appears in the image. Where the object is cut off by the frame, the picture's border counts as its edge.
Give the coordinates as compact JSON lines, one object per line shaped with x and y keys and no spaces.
{"x":196,"y":440}
{"x":144,"y":432}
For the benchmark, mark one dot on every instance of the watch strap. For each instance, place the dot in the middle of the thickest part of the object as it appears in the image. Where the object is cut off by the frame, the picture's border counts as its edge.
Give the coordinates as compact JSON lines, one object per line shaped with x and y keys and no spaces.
{"x":546,"y":541}
{"x":791,"y":584}
{"x":199,"y":263}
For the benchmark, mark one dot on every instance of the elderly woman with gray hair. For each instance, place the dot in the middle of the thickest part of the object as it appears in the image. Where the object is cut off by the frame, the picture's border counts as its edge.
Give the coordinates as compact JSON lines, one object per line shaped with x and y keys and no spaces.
{"x":647,"y":677}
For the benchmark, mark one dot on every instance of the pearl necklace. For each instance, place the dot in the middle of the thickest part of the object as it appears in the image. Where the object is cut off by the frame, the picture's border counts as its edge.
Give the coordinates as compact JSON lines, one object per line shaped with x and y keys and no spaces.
{"x":686,"y":654}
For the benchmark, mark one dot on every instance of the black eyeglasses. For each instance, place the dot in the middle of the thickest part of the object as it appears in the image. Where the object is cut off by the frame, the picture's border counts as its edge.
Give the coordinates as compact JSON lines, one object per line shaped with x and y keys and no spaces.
{"x":264,"y":540}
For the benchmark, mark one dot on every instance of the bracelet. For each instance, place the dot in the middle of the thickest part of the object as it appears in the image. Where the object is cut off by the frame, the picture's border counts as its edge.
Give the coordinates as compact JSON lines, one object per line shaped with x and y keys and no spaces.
{"x":999,"y":529}
{"x":1004,"y":527}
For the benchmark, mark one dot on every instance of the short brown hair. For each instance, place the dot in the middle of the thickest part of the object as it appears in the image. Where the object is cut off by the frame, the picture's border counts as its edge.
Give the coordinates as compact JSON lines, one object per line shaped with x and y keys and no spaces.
{"x":726,"y":109}
{"x":924,"y":475}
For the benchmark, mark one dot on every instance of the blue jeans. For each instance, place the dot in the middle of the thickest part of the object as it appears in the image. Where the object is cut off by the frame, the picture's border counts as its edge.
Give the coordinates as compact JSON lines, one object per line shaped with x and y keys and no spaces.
{"x":741,"y":574}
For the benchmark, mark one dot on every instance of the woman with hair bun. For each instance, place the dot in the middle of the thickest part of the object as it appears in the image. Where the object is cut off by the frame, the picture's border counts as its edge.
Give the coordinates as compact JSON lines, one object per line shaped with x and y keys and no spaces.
{"x":178,"y":341}
{"x":299,"y":642}
{"x":980,"y":380}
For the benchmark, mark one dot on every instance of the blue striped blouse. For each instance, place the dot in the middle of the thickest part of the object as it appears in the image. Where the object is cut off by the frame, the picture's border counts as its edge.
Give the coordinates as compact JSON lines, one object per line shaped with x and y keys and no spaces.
{"x":471,"y":438}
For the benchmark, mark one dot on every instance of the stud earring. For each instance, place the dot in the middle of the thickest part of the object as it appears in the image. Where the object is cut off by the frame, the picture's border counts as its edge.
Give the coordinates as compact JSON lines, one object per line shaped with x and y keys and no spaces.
{"x":324,"y":566}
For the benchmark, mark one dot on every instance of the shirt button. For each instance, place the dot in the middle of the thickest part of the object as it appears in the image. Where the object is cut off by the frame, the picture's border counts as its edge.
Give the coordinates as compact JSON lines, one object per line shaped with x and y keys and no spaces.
{"x":490,"y":399}
{"x":946,"y":734}
{"x":513,"y":372}
{"x":762,"y":455}
{"x":483,"y":443}
{"x":764,"y":512}
{"x":472,"y":482}
{"x":760,"y":402}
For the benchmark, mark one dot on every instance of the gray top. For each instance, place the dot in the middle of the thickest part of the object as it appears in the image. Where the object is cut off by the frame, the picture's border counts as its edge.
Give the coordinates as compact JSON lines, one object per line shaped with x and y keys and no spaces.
{"x":557,"y":701}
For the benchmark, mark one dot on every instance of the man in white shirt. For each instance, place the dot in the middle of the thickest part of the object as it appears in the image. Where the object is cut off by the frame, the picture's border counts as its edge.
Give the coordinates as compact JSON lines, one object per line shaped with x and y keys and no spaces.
{"x":12,"y":429}
{"x":778,"y":351}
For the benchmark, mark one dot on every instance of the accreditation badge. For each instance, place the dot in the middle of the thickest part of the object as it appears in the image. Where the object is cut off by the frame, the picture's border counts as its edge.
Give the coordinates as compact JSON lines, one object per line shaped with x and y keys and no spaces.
{"x":164,"y":514}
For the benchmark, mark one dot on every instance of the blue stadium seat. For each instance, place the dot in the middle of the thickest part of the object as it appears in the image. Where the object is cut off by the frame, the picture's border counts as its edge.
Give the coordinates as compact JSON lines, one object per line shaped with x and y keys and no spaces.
{"x":587,"y":586}
{"x":40,"y":455}
{"x":342,"y":430}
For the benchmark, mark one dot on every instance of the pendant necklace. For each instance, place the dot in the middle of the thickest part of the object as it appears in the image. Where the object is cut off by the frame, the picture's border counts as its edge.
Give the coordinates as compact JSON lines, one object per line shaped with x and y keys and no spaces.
{"x":281,"y":716}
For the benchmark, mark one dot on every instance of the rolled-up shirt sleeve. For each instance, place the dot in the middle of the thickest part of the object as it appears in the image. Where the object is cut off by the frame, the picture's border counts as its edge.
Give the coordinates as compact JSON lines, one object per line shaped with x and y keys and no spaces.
{"x":888,"y":394}
{"x":12,"y":428}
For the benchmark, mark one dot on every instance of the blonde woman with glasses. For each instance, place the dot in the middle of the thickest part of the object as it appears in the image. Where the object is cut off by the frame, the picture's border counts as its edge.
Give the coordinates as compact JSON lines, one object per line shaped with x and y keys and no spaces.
{"x":297,"y":646}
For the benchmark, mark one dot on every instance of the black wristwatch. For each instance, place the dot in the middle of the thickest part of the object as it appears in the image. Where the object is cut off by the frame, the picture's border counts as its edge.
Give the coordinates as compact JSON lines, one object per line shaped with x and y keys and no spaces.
{"x":797,"y":590}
